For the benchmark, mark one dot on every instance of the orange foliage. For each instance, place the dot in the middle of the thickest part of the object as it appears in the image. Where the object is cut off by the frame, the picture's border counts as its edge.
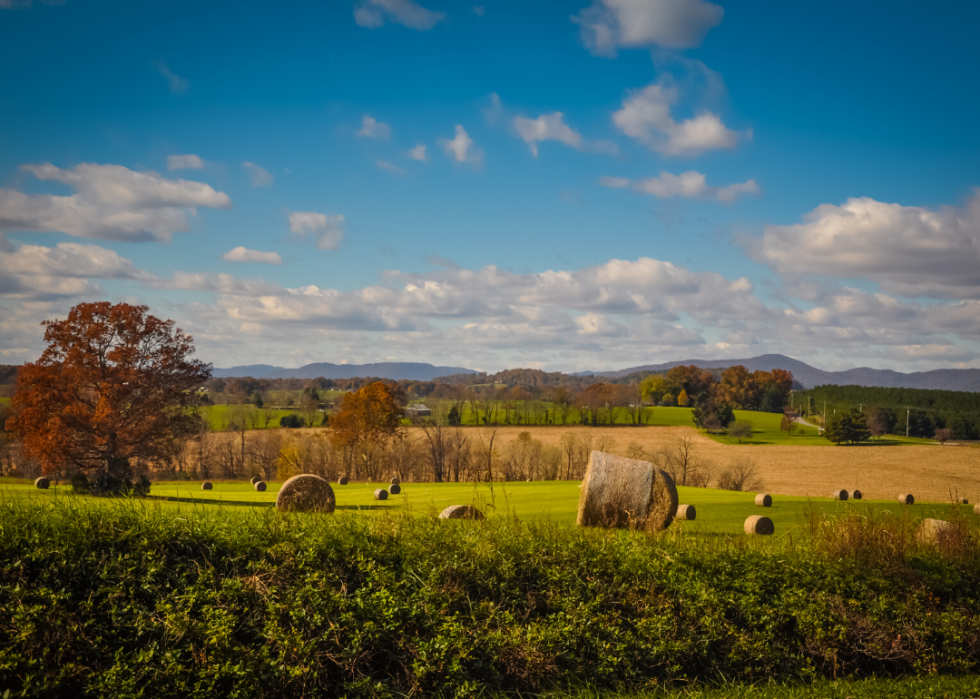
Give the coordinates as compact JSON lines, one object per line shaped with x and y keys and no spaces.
{"x":114,"y":383}
{"x":371,"y":414}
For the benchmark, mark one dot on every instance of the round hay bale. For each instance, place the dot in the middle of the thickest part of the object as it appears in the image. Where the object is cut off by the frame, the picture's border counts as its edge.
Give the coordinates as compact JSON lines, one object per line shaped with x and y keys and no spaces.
{"x":395,"y":480}
{"x":42,"y":483}
{"x":934,"y":531}
{"x":306,"y":493}
{"x":394,"y":489}
{"x":254,"y":479}
{"x":686,"y":512}
{"x":206,"y":485}
{"x":380,"y":494}
{"x":964,"y":501}
{"x":343,"y":480}
{"x":621,"y":492}
{"x":906,"y":499}
{"x":763,"y":500}
{"x":259,"y":486}
{"x":976,"y":509}
{"x":461,"y":512}
{"x":856,"y":494}
{"x":839,"y":495}
{"x":757,"y":524}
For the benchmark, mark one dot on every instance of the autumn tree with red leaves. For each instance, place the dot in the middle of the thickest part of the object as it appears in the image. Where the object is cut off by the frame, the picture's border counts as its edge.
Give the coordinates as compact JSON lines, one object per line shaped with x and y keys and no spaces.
{"x":114,"y":384}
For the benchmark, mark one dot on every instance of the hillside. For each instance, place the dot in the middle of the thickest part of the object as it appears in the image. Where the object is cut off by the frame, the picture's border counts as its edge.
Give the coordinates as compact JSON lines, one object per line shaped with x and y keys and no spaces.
{"x":412,"y":371}
{"x":808,"y":376}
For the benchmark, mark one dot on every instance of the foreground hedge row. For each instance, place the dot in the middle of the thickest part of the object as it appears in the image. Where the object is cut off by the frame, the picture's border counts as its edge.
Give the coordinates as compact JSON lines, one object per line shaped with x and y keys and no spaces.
{"x":124,"y":602}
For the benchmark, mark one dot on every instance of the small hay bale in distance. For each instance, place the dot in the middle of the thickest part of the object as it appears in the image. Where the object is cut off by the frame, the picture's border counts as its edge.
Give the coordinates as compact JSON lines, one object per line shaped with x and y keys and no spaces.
{"x":906,"y":499}
{"x":964,"y":501}
{"x":254,"y":479}
{"x":42,"y":483}
{"x":206,"y":485}
{"x":976,"y":509}
{"x":306,"y":493}
{"x":394,"y":489}
{"x":759,"y":525}
{"x":621,"y":492}
{"x":395,"y":480}
{"x":841,"y":495}
{"x":342,"y":480}
{"x":259,"y":486}
{"x":687,"y":512}
{"x":763,"y":500}
{"x":855,"y":494}
{"x":380,"y":494}
{"x":934,"y":531}
{"x":461,"y":512}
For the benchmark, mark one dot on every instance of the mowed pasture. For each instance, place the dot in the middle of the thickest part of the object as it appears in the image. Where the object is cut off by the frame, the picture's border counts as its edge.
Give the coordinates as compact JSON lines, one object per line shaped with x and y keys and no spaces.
{"x":718,"y":511}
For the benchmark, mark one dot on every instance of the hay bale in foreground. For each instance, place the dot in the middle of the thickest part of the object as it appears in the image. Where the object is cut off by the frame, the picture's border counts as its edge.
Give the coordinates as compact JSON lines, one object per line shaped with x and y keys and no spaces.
{"x":621,"y":492}
{"x":254,"y":479}
{"x":306,"y":493}
{"x":855,"y":494}
{"x":839,"y":495}
{"x":461,"y":512}
{"x":395,"y":480}
{"x":759,"y":525}
{"x":380,"y":494}
{"x":906,"y":499}
{"x":206,"y":485}
{"x":687,"y":512}
{"x":763,"y":500}
{"x":259,"y":486}
{"x":342,"y":480}
{"x":394,"y":489}
{"x":934,"y":531}
{"x":42,"y":483}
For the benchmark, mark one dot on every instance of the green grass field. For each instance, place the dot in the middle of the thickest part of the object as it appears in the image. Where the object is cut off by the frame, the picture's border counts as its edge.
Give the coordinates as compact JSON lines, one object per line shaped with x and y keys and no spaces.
{"x":221,"y":416}
{"x":718,"y":511}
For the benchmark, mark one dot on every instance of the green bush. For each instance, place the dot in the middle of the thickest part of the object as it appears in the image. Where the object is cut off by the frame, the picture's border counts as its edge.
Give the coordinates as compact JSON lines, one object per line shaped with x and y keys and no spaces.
{"x":116,"y":600}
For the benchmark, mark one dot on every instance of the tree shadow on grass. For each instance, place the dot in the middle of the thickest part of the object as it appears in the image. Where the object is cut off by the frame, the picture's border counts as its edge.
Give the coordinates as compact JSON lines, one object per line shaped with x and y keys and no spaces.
{"x":252,"y":503}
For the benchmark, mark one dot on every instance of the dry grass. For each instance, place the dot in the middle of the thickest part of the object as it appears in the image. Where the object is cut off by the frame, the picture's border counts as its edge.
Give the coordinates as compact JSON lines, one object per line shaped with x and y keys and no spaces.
{"x":931,"y":472}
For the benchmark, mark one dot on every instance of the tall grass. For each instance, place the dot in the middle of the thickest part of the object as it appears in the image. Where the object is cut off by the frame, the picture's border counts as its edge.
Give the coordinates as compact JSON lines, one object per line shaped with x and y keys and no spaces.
{"x":124,"y":599}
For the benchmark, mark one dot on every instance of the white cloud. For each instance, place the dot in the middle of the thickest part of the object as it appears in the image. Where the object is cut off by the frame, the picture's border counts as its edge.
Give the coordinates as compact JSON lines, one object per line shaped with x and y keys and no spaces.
{"x":646,"y":116}
{"x":184,"y":162}
{"x":418,"y":153}
{"x":494,"y":109}
{"x":112,"y":202}
{"x":609,"y":24}
{"x":176,"y":83}
{"x":326,"y":229}
{"x":372,"y":128}
{"x":461,"y":148}
{"x":552,"y":127}
{"x":257,"y":176}
{"x":909,"y":250}
{"x":37,"y":272}
{"x":243,"y":254}
{"x":390,"y":167}
{"x":374,"y":13}
{"x":691,"y":185}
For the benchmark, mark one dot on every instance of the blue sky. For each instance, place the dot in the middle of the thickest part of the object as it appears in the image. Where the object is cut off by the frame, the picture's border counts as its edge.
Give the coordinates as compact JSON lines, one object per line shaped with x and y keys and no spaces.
{"x":564,"y":185}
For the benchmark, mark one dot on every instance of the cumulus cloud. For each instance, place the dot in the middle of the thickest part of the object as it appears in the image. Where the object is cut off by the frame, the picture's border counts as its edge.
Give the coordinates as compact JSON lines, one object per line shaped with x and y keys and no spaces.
{"x":111,"y":202}
{"x":184,"y":162}
{"x":257,"y":175}
{"x":461,"y":148}
{"x":326,"y":229}
{"x":908,"y":250}
{"x":372,"y":128}
{"x":38,"y":272}
{"x":691,"y":185}
{"x":418,"y":153}
{"x":552,"y":127}
{"x":243,"y":254}
{"x":646,"y":116}
{"x":610,"y":24}
{"x":374,"y":13}
{"x":176,"y":83}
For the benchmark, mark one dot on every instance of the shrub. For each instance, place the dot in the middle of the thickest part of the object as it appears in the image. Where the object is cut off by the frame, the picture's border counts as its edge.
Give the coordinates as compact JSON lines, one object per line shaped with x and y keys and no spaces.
{"x":739,"y":475}
{"x":291,"y":421}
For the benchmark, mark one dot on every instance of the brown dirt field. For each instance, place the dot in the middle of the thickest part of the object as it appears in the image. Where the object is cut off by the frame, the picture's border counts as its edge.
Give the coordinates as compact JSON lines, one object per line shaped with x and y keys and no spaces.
{"x":930,"y":472}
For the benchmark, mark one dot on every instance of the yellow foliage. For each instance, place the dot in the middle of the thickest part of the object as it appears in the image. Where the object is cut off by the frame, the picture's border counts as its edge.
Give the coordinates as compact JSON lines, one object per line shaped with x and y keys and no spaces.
{"x":682,"y":399}
{"x":290,"y":462}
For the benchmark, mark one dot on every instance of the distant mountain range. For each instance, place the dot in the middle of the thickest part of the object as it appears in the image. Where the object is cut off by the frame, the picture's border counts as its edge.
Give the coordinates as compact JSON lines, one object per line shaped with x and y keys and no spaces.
{"x":808,"y":376}
{"x":412,"y":371}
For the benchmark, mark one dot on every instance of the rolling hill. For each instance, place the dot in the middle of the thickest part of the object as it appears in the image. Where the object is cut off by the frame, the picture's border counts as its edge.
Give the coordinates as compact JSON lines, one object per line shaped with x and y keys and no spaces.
{"x":413,"y":371}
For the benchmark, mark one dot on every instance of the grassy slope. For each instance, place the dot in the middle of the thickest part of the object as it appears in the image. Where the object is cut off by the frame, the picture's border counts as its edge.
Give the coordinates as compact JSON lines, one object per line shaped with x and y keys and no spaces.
{"x":718,"y":511}
{"x":221,"y":416}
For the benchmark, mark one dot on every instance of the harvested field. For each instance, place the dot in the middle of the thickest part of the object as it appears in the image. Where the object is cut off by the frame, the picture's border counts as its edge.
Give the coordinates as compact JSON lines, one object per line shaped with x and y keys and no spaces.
{"x":930,"y":472}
